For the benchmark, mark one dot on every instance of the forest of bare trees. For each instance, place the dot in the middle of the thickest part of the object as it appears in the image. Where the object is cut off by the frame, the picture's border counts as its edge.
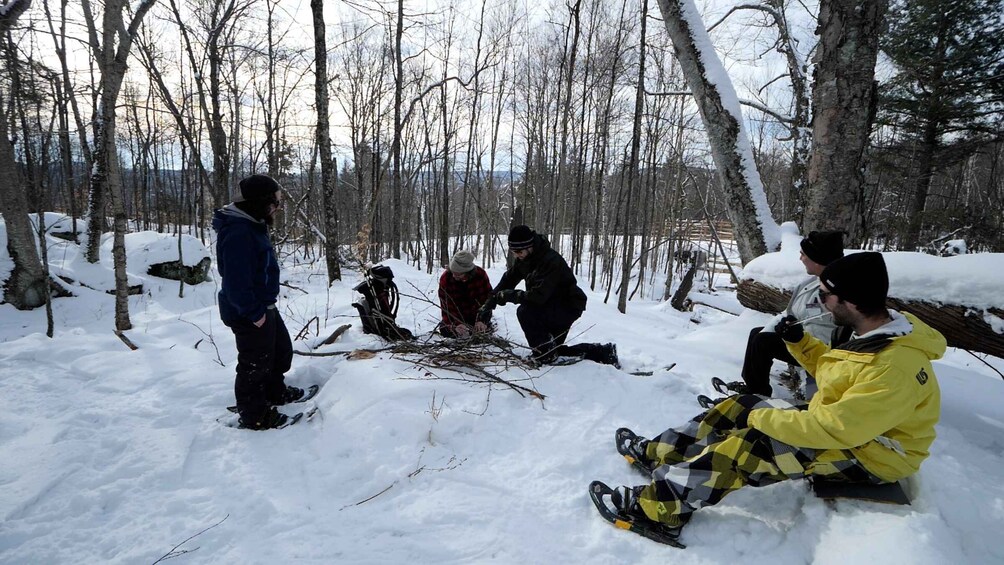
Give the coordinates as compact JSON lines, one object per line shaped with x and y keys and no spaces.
{"x":426,"y":130}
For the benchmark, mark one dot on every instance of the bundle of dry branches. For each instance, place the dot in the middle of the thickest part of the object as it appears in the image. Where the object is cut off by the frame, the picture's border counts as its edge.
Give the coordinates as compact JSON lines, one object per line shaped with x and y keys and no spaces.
{"x":478,"y":359}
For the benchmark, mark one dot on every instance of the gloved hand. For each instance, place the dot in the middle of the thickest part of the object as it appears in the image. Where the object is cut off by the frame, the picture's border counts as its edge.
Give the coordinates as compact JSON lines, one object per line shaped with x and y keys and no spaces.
{"x":504,"y":297}
{"x":790,"y":329}
{"x":485,"y":312}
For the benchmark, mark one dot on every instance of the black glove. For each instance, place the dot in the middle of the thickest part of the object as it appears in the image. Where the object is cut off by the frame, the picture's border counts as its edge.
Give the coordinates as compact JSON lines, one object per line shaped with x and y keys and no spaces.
{"x":504,"y":297}
{"x":790,"y":329}
{"x":485,"y":312}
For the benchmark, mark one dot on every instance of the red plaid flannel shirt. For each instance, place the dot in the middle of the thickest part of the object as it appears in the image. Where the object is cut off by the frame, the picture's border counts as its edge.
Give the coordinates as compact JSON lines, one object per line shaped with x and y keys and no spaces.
{"x":460,"y":300}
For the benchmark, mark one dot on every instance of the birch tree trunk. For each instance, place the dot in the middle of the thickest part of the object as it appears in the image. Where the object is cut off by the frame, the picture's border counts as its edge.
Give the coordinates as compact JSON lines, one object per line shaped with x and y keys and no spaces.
{"x":745,"y":200}
{"x":843,"y":99}
{"x":111,"y":53}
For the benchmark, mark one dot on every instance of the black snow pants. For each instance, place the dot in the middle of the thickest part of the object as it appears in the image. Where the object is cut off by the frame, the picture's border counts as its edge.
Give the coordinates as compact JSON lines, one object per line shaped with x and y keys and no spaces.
{"x":263,"y":356}
{"x":761,"y":351}
{"x":546,"y":326}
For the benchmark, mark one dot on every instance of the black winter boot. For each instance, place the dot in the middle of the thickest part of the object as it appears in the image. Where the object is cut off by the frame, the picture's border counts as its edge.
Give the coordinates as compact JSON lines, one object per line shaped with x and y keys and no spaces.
{"x":272,"y":419}
{"x":609,"y":353}
{"x":625,"y":499}
{"x":632,"y":446}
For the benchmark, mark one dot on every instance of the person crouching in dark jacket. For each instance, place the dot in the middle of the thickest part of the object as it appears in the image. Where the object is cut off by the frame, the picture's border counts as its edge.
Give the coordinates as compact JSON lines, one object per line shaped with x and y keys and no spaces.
{"x":463,"y":290}
{"x":551,"y":302}
{"x":247,"y":297}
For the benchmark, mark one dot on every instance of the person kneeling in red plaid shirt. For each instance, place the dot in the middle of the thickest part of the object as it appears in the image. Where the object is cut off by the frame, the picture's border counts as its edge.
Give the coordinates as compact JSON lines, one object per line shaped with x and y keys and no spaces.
{"x":463,"y":289}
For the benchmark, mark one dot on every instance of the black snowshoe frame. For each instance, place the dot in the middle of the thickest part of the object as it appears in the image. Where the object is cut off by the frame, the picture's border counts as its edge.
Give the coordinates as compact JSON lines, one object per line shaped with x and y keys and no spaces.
{"x":728,"y":389}
{"x":653,"y":531}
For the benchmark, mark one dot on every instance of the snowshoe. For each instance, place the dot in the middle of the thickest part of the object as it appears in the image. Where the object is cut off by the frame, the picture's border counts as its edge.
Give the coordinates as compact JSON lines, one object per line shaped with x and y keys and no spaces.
{"x":707,"y":402}
{"x":622,"y":511}
{"x":728,"y":389}
{"x":301,"y":396}
{"x":632,"y":447}
{"x":273,"y":420}
{"x":294,"y":394}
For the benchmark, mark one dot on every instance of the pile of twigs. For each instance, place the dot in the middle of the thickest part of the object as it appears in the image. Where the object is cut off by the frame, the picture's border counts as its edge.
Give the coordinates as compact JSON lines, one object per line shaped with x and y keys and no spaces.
{"x":479,"y":359}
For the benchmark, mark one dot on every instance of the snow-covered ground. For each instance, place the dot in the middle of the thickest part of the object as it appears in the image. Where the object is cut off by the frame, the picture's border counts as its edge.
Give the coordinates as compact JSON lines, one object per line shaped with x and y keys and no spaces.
{"x":115,"y":456}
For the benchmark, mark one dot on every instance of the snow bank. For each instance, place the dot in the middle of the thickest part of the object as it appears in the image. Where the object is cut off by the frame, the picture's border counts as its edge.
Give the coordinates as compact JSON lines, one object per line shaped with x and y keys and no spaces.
{"x":968,"y":280}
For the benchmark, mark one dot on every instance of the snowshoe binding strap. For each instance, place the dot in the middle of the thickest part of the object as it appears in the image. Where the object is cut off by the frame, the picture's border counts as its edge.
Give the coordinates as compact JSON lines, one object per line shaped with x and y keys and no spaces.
{"x":631,"y":446}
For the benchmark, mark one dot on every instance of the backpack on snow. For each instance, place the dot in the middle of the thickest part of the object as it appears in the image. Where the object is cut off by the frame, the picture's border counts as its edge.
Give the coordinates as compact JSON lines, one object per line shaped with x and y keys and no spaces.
{"x":378,"y":308}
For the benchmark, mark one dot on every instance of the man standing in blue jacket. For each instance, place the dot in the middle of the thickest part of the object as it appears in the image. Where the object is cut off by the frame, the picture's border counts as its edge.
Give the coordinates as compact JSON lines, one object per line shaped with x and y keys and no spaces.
{"x":247,"y":297}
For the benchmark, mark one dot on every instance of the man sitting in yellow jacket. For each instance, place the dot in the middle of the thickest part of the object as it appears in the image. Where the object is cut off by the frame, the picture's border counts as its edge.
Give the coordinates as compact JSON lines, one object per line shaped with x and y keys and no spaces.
{"x":871,"y":421}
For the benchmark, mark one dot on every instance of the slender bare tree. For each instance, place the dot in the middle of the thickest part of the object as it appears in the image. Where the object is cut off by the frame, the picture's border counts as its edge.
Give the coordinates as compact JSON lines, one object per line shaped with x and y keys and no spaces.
{"x":329,"y":169}
{"x":111,"y":53}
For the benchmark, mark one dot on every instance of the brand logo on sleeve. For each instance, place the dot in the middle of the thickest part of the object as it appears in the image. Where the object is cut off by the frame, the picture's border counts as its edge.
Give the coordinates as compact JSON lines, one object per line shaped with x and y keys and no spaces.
{"x":922,"y":377}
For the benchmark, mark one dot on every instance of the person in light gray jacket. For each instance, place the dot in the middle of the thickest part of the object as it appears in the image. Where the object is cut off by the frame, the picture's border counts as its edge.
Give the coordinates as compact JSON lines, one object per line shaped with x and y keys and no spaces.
{"x":819,"y":249}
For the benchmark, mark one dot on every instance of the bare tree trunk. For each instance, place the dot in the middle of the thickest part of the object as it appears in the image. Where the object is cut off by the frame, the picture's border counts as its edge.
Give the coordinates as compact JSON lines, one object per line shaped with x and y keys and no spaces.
{"x":112,"y":58}
{"x":922,"y":186}
{"x":716,"y":100}
{"x":632,"y":165}
{"x":843,"y":99}
{"x":329,"y":169}
{"x":60,"y":44}
{"x":604,"y":138}
{"x":444,"y":220}
{"x":395,"y":230}
{"x":26,"y":288}
{"x":66,"y":154}
{"x":27,"y":285}
{"x":566,"y":113}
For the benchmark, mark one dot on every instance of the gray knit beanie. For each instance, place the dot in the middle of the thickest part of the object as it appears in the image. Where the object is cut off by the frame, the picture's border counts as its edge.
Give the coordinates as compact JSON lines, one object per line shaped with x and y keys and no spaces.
{"x":462,"y":262}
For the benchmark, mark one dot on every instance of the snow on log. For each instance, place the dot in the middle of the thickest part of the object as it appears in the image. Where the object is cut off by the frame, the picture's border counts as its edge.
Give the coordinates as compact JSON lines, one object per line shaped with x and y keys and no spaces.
{"x":966,"y":327}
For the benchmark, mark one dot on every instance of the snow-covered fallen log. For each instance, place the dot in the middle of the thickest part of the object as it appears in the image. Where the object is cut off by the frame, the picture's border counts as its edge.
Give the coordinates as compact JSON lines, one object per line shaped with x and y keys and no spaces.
{"x":966,"y":327}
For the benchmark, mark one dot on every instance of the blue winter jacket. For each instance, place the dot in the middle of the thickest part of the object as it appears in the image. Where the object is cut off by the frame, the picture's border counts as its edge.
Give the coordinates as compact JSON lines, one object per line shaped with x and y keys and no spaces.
{"x":247,"y":263}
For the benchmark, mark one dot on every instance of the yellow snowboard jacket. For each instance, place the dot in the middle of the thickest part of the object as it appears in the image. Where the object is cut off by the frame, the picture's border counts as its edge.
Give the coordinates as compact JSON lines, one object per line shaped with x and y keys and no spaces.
{"x":878,"y":397}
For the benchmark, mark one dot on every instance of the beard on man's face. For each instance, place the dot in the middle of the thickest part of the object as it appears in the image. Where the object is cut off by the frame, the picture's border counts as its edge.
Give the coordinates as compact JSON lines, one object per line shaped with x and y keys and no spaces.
{"x":841,"y":315}
{"x":258,"y":210}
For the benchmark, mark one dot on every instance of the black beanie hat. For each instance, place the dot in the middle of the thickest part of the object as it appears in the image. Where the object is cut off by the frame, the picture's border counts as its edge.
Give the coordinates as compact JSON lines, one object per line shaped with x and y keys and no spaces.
{"x":521,"y":237}
{"x":259,"y":188}
{"x":860,"y":278}
{"x":824,"y":247}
